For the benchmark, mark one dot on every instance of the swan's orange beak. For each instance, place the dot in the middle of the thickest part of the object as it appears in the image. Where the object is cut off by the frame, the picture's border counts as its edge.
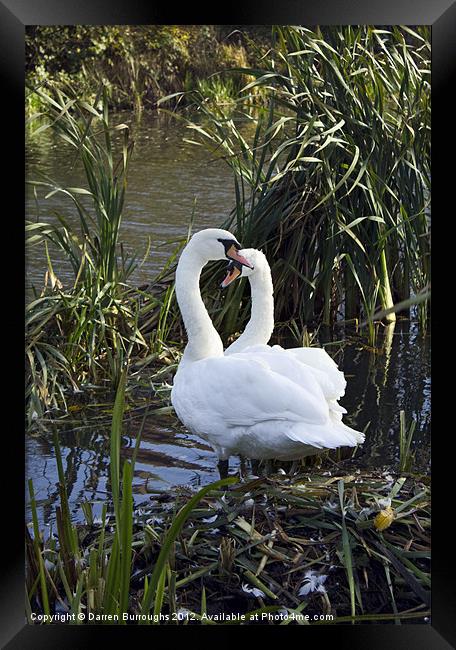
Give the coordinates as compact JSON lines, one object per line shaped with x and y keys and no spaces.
{"x":233,"y":254}
{"x":231,"y":275}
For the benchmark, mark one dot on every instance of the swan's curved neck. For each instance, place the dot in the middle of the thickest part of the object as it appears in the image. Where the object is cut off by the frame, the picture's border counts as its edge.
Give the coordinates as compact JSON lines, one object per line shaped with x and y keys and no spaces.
{"x":261,"y":324}
{"x":203,"y":339}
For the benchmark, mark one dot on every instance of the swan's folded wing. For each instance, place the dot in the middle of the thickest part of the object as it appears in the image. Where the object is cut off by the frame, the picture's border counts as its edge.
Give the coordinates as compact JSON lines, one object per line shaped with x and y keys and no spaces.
{"x":245,"y":391}
{"x":329,"y":376}
{"x":303,"y":366}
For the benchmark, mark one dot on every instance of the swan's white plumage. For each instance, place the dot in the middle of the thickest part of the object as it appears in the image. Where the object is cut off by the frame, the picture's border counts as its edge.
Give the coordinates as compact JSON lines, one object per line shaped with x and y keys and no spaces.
{"x":261,"y":402}
{"x":246,"y":404}
{"x":259,"y":329}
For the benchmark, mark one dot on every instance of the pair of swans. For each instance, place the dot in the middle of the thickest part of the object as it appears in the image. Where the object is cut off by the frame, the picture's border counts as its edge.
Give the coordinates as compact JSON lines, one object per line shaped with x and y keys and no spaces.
{"x":253,"y":400}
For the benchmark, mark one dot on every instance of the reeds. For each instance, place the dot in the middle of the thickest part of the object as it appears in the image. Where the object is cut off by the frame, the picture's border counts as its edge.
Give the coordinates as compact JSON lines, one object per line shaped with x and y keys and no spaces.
{"x":406,"y":455}
{"x":260,"y":548}
{"x":333,"y":180}
{"x":245,"y":552}
{"x":84,"y":333}
{"x":86,"y":128}
{"x":92,"y":571}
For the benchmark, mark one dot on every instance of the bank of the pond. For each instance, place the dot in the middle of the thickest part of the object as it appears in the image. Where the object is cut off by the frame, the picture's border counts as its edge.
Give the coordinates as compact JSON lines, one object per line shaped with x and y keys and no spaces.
{"x":332,"y":544}
{"x":142,"y":64}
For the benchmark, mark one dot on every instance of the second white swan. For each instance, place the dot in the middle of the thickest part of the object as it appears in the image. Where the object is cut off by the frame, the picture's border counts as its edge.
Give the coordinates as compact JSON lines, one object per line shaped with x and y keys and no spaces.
{"x":253,"y":341}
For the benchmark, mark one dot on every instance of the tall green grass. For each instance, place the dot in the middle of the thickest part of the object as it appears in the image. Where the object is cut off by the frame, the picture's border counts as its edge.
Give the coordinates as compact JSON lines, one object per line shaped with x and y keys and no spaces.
{"x":332,"y":181}
{"x":129,"y":566}
{"x":95,"y":576}
{"x":87,"y":129}
{"x":82,"y":334}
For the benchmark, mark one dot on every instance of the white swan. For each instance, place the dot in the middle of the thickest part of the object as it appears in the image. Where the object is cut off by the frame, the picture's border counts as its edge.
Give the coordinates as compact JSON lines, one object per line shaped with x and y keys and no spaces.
{"x":258,"y":331}
{"x":240,"y":403}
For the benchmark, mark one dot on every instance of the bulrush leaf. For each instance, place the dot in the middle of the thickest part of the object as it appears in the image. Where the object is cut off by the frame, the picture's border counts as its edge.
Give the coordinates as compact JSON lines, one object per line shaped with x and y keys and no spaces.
{"x":333,"y":167}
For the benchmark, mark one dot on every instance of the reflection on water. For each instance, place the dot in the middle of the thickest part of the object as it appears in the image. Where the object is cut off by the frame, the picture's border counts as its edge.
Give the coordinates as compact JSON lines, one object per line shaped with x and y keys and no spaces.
{"x":379,"y":387}
{"x":166,"y":175}
{"x":168,"y":456}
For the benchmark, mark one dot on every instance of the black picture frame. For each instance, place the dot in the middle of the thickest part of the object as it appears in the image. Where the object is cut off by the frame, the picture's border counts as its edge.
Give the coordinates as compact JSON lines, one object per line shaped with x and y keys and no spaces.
{"x":14,"y":16}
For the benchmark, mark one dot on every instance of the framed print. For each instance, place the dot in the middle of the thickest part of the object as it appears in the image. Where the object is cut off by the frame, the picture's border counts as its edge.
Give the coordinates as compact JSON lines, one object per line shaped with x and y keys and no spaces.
{"x":227,"y":283}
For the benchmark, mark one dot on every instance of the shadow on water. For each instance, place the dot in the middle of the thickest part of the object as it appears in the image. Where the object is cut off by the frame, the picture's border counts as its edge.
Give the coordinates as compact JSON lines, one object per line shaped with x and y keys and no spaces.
{"x":168,"y":457}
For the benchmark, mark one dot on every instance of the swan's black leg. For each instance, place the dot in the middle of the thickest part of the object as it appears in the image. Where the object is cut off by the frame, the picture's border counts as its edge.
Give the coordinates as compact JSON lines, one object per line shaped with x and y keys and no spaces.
{"x":223,"y":468}
{"x":255,"y":466}
{"x":242,"y":467}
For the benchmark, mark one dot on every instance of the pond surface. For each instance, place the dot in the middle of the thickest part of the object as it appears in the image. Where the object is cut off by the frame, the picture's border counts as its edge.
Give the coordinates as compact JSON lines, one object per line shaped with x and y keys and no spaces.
{"x":166,"y":177}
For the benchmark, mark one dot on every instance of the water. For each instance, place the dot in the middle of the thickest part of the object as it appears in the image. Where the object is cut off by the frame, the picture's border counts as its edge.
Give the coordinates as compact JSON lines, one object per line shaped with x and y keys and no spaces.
{"x":166,"y":176}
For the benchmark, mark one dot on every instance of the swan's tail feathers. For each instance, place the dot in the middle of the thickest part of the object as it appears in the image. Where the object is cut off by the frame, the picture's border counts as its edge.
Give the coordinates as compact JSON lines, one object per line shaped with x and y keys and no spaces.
{"x":336,"y":411}
{"x":353,"y":437}
{"x":337,"y":434}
